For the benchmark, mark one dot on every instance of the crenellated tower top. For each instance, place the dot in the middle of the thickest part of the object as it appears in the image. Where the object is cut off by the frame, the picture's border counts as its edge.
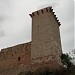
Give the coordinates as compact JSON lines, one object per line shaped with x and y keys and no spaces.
{"x":47,"y":9}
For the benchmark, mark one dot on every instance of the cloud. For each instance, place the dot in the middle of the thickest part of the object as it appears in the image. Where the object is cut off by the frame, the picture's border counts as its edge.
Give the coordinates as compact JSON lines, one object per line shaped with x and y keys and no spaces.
{"x":15,"y":22}
{"x":65,"y":13}
{"x":46,"y":3}
{"x":2,"y":34}
{"x":67,"y":28}
{"x":3,"y":15}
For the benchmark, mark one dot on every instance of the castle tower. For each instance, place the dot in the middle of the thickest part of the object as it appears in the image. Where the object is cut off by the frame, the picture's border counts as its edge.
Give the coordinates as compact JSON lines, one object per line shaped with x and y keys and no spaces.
{"x":46,"y":43}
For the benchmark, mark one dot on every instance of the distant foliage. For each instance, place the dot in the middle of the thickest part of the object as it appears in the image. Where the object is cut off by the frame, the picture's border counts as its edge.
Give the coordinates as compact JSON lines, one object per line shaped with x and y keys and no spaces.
{"x":72,"y":53}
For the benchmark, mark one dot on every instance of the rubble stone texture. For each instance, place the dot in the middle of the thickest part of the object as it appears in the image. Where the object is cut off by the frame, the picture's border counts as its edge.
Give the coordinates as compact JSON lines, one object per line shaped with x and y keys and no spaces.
{"x":43,"y":51}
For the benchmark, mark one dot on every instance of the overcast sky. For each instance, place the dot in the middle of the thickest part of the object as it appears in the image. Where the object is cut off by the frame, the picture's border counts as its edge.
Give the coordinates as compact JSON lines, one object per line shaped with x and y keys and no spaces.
{"x":15,"y":22}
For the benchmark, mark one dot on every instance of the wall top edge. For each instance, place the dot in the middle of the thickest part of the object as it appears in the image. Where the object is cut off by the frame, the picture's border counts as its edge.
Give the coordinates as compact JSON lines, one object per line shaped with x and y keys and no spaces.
{"x":47,"y":9}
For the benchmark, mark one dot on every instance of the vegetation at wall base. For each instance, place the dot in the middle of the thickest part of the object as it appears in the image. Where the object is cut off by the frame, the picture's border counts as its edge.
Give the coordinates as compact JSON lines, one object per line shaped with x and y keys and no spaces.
{"x":65,"y":58}
{"x":68,"y":71}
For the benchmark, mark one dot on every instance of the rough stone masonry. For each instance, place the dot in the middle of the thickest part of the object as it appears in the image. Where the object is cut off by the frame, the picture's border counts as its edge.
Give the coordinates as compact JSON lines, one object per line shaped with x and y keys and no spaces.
{"x":43,"y":51}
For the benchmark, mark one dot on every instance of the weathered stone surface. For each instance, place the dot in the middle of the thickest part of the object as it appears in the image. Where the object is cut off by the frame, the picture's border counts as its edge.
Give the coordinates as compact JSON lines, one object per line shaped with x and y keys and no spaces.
{"x":17,"y":57}
{"x":45,"y":38}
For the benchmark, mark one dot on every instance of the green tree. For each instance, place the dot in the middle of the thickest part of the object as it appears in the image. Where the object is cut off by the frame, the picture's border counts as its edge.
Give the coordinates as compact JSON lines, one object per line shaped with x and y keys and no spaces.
{"x":66,"y":60}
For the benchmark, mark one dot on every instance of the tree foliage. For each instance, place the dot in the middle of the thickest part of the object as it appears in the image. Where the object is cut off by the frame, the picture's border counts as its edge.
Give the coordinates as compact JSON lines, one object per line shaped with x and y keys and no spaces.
{"x":66,"y":60}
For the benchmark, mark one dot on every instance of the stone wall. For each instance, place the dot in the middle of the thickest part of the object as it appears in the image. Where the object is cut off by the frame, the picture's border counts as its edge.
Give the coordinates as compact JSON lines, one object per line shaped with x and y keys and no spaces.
{"x":17,"y":56}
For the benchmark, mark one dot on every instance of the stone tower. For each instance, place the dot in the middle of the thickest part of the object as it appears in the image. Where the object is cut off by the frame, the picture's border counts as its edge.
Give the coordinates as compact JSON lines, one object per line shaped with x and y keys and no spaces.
{"x":46,"y":43}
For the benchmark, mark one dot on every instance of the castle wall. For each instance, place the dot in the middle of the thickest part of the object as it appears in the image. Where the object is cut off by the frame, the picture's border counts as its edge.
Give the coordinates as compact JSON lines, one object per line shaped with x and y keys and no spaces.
{"x":16,"y":56}
{"x":43,"y":51}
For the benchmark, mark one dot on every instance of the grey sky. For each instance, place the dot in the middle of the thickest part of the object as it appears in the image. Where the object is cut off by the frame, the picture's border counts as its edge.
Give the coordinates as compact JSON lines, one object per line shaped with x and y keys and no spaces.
{"x":15,"y":22}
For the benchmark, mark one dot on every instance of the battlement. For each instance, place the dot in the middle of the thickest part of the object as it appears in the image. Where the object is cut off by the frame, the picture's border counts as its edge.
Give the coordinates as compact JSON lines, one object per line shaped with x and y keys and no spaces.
{"x":44,"y":10}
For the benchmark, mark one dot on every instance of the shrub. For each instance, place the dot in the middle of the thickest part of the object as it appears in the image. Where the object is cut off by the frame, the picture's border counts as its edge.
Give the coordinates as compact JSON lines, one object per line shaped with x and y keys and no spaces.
{"x":66,"y":60}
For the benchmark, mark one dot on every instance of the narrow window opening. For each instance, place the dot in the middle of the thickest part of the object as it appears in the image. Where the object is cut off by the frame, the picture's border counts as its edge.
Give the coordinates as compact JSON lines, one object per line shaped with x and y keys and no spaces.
{"x":19,"y":58}
{"x":38,"y":26}
{"x":4,"y":57}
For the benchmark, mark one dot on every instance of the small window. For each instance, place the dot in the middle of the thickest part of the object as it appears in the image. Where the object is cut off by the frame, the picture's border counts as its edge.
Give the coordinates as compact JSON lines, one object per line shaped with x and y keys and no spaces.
{"x":52,"y":57}
{"x":4,"y":57}
{"x":19,"y":58}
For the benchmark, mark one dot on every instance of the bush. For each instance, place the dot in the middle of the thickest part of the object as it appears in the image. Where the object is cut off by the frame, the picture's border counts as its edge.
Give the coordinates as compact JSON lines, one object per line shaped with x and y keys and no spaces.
{"x":66,"y":60}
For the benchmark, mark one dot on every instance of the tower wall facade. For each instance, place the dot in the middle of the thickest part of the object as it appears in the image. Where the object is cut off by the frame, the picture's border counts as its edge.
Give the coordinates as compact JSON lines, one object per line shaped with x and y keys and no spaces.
{"x":46,"y":43}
